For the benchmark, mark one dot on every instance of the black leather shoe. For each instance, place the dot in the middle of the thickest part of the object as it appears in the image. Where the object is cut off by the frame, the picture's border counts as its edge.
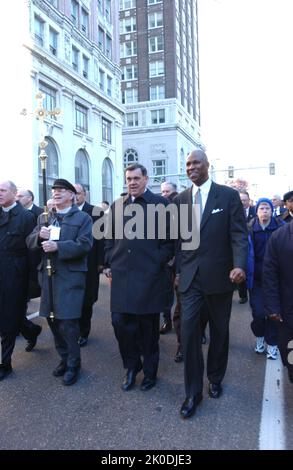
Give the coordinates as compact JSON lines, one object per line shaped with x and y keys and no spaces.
{"x":215,"y":390}
{"x":189,"y":406}
{"x":71,"y":375}
{"x":4,"y":371}
{"x":60,"y":369}
{"x":82,"y":341}
{"x":166,"y":327}
{"x":147,"y":383}
{"x":243,"y":300}
{"x":178,"y":356}
{"x":129,"y":379}
{"x":33,"y":341}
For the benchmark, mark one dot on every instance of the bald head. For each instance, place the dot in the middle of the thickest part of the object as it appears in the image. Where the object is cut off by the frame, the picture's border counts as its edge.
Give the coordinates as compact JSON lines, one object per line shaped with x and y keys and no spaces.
{"x":25,"y":197}
{"x":80,"y":194}
{"x":8,"y":192}
{"x":197,"y":167}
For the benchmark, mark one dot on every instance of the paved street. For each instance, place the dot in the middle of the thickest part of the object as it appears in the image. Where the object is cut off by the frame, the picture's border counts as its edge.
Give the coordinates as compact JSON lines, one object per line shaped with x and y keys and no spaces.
{"x":38,"y":412}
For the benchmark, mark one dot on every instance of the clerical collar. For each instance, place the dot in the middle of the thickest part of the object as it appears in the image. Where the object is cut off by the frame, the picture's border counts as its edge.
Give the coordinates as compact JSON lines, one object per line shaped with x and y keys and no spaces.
{"x":30,"y":207}
{"x":7,"y":209}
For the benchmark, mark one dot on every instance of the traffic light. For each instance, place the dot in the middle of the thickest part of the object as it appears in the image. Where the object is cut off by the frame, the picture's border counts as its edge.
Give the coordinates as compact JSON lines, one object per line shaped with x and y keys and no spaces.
{"x":272,"y":169}
{"x":230,"y":171}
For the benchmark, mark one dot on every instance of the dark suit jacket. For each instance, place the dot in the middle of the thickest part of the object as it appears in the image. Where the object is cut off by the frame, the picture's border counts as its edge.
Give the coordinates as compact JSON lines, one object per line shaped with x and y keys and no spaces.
{"x":223,"y":241}
{"x":34,"y":260}
{"x":94,"y":260}
{"x":277,"y":274}
{"x":251,"y":214}
{"x":137,"y":265}
{"x":36,"y":210}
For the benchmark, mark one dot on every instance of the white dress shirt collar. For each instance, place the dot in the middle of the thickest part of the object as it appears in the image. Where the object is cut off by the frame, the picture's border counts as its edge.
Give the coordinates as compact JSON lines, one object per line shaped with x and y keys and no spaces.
{"x":204,"y":190}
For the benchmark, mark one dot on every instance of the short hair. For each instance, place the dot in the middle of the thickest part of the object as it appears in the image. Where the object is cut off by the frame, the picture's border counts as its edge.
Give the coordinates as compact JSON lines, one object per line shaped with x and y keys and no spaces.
{"x":137,"y":166}
{"x":31,"y":194}
{"x":82,"y":187}
{"x":106,"y":202}
{"x":12,"y":186}
{"x":174,"y":185}
{"x":242,"y":191}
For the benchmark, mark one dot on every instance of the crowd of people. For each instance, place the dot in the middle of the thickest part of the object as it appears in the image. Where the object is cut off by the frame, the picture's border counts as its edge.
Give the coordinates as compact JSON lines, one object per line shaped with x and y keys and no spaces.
{"x":223,"y":242}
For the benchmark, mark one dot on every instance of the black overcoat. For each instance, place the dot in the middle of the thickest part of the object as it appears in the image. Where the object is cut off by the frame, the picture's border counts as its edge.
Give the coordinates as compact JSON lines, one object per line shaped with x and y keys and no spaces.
{"x":34,"y":290}
{"x":137,"y":265}
{"x":15,"y":226}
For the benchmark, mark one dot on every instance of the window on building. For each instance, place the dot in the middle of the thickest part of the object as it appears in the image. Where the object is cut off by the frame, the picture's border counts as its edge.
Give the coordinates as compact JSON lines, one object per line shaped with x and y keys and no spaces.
{"x":52,"y":170}
{"x":155,"y":19}
{"x":109,"y":85}
{"x":129,"y":72}
{"x":131,"y":119}
{"x":84,"y":22}
{"x":101,"y":79}
{"x":130,"y":157}
{"x":81,"y":118}
{"x":156,"y":44}
{"x":53,"y":40}
{"x":54,"y":3}
{"x":101,"y":39}
{"x":108,"y":10}
{"x":157,"y":92}
{"x":126,"y":4}
{"x":128,"y":49}
{"x":130,"y":96}
{"x":106,"y":131}
{"x":75,"y":57}
{"x":74,"y":12}
{"x":108,"y":46}
{"x":85,"y":66}
{"x":100,"y":6}
{"x":82,"y":169}
{"x":107,"y":180}
{"x":156,"y":68}
{"x":158,"y":116}
{"x":152,"y":2}
{"x":50,"y":99}
{"x":128,"y":25}
{"x":39,"y":31}
{"x":159,"y":170}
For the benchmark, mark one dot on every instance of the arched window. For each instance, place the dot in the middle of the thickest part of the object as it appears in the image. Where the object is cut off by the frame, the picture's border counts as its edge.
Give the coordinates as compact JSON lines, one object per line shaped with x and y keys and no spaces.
{"x":82,"y":170}
{"x":130,"y":157}
{"x":107,"y":181}
{"x":52,"y":169}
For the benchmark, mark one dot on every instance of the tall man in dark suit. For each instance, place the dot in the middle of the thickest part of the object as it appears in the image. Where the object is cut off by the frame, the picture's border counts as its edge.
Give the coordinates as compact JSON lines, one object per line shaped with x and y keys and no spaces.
{"x":29,"y":330}
{"x":137,"y":272}
{"x":15,"y":224}
{"x":95,"y":261}
{"x":208,"y":273}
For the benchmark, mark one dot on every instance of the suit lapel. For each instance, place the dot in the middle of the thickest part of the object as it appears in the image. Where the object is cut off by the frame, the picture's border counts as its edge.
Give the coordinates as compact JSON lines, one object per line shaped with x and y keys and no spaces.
{"x":210,"y":205}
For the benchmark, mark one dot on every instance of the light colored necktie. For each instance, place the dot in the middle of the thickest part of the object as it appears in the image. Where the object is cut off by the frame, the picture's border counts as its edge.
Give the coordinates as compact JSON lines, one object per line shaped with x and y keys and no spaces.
{"x":198,"y":201}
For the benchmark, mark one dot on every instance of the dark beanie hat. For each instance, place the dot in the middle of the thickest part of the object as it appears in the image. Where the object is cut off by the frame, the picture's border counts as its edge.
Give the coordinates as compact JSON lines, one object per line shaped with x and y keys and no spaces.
{"x":287,"y":196}
{"x":264,"y":200}
{"x":63,"y":184}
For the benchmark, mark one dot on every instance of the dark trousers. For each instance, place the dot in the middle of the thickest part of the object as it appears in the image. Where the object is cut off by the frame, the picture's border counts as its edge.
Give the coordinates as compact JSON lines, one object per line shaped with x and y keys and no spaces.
{"x":261,"y":325}
{"x":285,"y":335}
{"x":219,"y":306}
{"x":66,"y":334}
{"x":138,"y":335}
{"x":242,"y":290}
{"x":7,"y":346}
{"x":85,"y":320}
{"x":204,"y":316}
{"x":28,"y":329}
{"x":169,"y":279}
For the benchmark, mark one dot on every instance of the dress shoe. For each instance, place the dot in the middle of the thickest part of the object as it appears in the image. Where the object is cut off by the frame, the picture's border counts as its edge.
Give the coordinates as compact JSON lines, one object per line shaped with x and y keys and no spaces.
{"x":166,"y":327}
{"x":243,"y":300}
{"x":189,"y":406}
{"x":33,"y":341}
{"x":60,"y":369}
{"x":129,"y":380}
{"x":178,"y":356}
{"x":147,"y":383}
{"x":215,"y":390}
{"x":82,"y":341}
{"x":71,"y":375}
{"x":4,"y":371}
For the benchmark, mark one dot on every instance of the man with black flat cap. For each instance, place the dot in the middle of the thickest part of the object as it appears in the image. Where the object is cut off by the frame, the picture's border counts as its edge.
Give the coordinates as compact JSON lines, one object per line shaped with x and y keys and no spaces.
{"x":68,"y":239}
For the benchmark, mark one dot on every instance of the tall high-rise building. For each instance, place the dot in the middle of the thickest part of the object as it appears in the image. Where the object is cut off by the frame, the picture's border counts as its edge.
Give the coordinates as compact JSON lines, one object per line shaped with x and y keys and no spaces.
{"x":160,"y":85}
{"x":69,"y":50}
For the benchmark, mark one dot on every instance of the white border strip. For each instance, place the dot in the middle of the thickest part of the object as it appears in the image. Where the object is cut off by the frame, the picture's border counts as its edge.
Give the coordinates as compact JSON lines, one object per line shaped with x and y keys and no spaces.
{"x":32,"y":315}
{"x":272,"y":425}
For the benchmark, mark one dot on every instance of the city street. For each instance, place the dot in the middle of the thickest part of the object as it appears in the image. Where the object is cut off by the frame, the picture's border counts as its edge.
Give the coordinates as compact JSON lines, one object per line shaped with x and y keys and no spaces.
{"x":38,"y":412}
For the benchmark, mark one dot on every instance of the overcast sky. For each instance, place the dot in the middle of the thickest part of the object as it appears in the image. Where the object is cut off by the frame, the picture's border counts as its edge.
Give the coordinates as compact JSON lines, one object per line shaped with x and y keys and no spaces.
{"x":246,"y":80}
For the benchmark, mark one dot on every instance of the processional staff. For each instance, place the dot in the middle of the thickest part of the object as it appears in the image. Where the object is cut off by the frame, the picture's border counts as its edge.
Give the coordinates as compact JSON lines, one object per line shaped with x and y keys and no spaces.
{"x":41,"y":113}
